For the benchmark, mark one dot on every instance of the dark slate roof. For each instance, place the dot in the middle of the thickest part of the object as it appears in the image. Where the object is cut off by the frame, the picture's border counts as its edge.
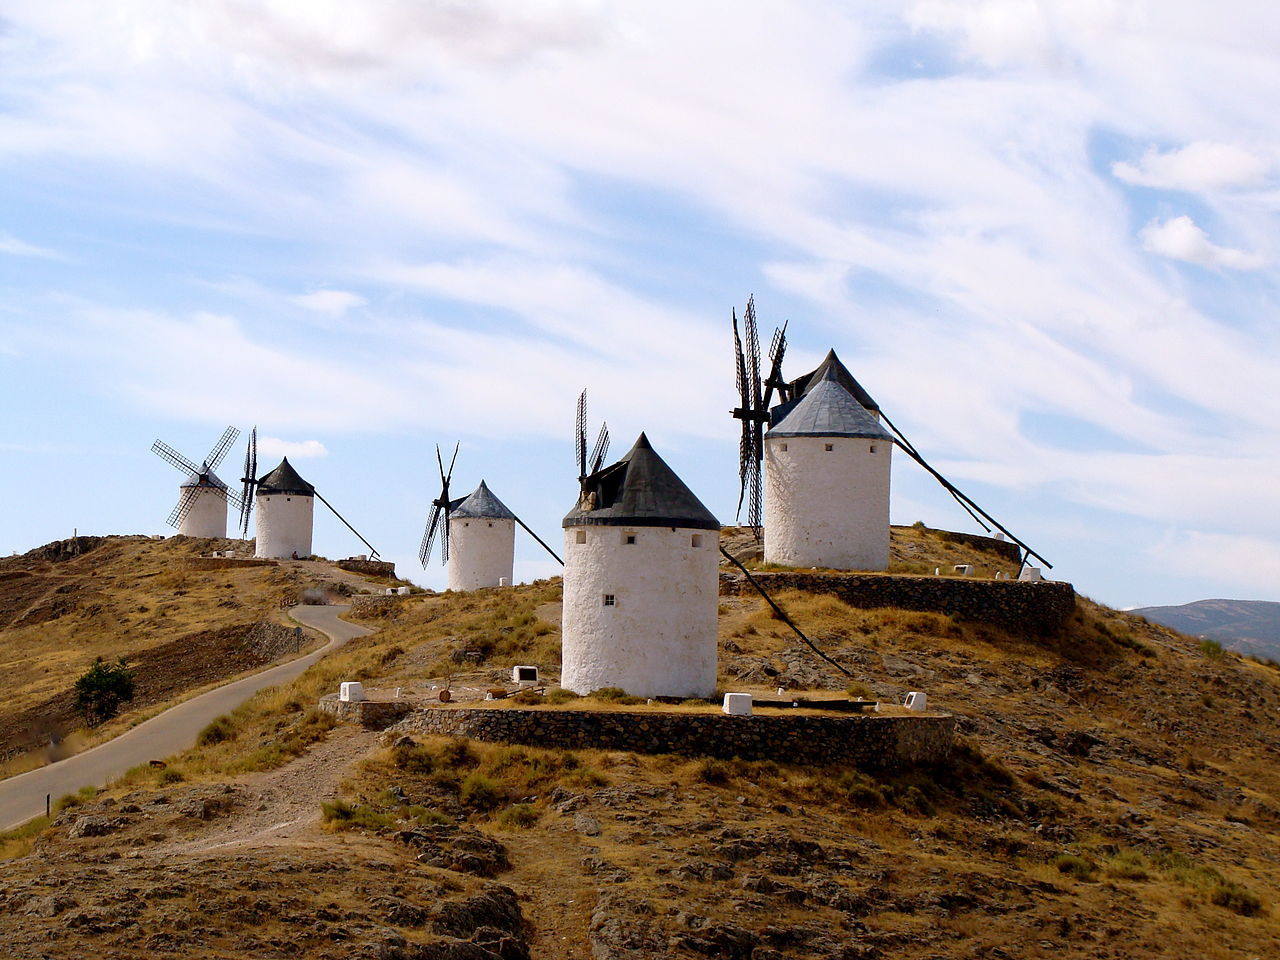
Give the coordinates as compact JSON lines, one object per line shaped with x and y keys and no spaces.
{"x":284,"y":480}
{"x":481,"y":504}
{"x":640,"y":490}
{"x":829,"y":410}
{"x":830,"y":368}
{"x":206,"y":479}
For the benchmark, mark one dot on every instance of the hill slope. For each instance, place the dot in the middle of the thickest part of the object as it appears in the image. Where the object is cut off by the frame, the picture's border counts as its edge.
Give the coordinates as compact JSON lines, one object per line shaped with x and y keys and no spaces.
{"x":1247,"y":626}
{"x":180,"y":620}
{"x":1116,"y":795}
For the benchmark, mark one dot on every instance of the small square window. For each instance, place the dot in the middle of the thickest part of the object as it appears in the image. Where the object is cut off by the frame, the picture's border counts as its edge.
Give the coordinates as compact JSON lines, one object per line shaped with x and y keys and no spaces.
{"x":466,"y":523}
{"x":828,"y":447}
{"x":581,"y":537}
{"x":491,"y":523}
{"x":629,"y":538}
{"x":697,"y":539}
{"x":873,"y":448}
{"x":610,"y":600}
{"x":782,"y":447}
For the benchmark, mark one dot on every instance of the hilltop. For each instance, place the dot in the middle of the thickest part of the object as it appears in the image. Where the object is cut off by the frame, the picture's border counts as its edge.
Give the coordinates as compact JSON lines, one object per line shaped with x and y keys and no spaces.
{"x":180,"y":619}
{"x":1246,"y":626}
{"x":1114,"y":794}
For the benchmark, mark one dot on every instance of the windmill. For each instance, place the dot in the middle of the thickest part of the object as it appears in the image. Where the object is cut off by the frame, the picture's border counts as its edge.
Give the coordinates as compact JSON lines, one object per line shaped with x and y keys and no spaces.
{"x":484,"y":554}
{"x":755,"y":401}
{"x":757,"y":411}
{"x":201,"y":510}
{"x":285,"y":505}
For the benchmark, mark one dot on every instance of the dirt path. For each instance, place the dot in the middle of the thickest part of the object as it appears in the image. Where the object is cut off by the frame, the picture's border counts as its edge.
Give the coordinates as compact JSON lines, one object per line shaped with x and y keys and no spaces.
{"x":282,"y":806}
{"x":561,"y":897}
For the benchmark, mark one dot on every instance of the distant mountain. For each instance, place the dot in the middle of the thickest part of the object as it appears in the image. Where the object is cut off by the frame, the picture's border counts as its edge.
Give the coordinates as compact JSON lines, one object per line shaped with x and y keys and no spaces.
{"x":1247,"y":626}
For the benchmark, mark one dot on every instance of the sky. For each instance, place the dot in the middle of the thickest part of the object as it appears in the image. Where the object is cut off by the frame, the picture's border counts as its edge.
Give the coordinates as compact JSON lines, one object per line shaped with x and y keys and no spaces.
{"x":1042,"y":235}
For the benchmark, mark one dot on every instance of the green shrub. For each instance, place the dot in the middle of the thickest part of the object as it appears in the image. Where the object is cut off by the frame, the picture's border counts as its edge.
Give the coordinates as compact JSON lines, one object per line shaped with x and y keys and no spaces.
{"x":609,"y":694}
{"x":713,"y":771}
{"x":1211,"y":649}
{"x":527,"y":697}
{"x":860,"y":691}
{"x":341,"y":815}
{"x":560,"y":695}
{"x":101,"y":690}
{"x":171,"y":775}
{"x":1128,"y":865}
{"x":425,"y":817}
{"x":1073,"y":866}
{"x":219,"y":731}
{"x":481,"y":792}
{"x":83,"y":795}
{"x":518,"y":816}
{"x":1236,"y":898}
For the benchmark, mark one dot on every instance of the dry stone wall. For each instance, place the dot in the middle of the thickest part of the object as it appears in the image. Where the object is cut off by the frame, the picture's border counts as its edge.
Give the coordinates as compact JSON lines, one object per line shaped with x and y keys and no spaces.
{"x":1019,"y":606}
{"x":874,"y":742}
{"x":371,"y":568}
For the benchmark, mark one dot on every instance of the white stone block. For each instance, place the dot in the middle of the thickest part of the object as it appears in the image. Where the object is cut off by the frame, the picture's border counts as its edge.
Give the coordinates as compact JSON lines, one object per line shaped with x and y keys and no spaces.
{"x":737,"y":704}
{"x":1031,"y":573}
{"x":963,"y":569}
{"x":524,"y":674}
{"x":504,"y":581}
{"x":351,"y":691}
{"x":916,"y":701}
{"x":390,"y":591}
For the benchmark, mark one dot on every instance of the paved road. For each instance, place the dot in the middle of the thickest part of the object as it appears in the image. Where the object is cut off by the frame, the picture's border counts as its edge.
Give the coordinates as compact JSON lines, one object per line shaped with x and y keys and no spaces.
{"x":22,"y":797}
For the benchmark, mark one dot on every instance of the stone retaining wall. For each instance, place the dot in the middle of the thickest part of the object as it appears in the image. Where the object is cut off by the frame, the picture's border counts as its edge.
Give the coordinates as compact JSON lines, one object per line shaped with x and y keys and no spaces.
{"x":373,"y":714}
{"x":1019,"y":606}
{"x":887,"y":743}
{"x":372,"y":568}
{"x":379,"y":607}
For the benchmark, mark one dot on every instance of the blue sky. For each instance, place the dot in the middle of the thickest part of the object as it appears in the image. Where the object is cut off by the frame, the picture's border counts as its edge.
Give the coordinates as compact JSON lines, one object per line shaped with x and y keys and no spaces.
{"x":1041,"y":234}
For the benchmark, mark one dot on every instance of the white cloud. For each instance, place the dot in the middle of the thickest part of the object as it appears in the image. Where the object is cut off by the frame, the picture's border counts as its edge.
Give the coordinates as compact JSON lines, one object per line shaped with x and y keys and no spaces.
{"x":272,"y":447}
{"x":1239,"y":564}
{"x":18,"y":248}
{"x":1180,"y":239}
{"x":1196,"y":167}
{"x":333,"y":303}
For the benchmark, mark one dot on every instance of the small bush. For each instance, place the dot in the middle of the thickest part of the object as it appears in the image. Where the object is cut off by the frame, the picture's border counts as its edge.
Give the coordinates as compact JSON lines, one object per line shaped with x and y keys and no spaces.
{"x":425,"y":817}
{"x":560,"y":695}
{"x":714,"y":772}
{"x":83,"y":795}
{"x":609,"y":694}
{"x":456,"y":752}
{"x":481,"y":792}
{"x":1211,"y":649}
{"x":1236,"y":898}
{"x":1128,"y":865}
{"x":860,"y":691}
{"x":1073,"y":866}
{"x":518,"y":816}
{"x":101,"y":690}
{"x":527,"y":697}
{"x":341,"y":815}
{"x":171,"y":775}
{"x":219,"y":731}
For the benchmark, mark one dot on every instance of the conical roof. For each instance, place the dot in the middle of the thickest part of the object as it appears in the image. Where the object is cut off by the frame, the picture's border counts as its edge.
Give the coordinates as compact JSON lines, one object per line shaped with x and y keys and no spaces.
{"x":206,"y":478}
{"x":640,"y":490}
{"x":481,"y":504}
{"x":829,"y":410}
{"x":829,"y":369}
{"x":284,"y":480}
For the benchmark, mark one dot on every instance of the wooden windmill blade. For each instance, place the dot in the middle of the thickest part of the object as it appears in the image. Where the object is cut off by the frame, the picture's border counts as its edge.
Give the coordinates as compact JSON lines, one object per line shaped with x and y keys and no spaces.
{"x":173,"y":457}
{"x":220,"y":449}
{"x":438,"y":519}
{"x":186,"y":500}
{"x":249,"y":482}
{"x":580,"y":436}
{"x":601,"y":449}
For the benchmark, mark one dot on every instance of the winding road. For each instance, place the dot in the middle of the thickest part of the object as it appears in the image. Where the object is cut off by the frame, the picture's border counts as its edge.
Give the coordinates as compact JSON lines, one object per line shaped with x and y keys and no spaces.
{"x":23,"y":797}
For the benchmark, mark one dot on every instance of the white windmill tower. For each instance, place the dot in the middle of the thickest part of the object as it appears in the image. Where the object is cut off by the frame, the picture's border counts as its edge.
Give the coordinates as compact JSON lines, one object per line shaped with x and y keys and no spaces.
{"x":201,"y":510}
{"x":285,"y":509}
{"x":641,"y":581}
{"x":828,"y":446}
{"x":477,"y":535}
{"x":826,"y":467}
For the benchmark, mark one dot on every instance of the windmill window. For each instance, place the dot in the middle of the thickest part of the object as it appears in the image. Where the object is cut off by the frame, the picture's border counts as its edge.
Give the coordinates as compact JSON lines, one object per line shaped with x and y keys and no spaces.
{"x":629,"y":539}
{"x":782,"y":447}
{"x":697,"y":540}
{"x":491,"y":523}
{"x":828,"y":447}
{"x":581,"y":537}
{"x":288,"y":499}
{"x":610,"y":600}
{"x":873,"y":448}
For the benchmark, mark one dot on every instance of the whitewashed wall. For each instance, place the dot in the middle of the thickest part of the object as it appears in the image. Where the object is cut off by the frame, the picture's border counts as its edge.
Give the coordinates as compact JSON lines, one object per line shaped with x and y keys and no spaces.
{"x":284,"y":526}
{"x":827,"y":508}
{"x":207,"y":516}
{"x":481,"y":552}
{"x":659,"y":639}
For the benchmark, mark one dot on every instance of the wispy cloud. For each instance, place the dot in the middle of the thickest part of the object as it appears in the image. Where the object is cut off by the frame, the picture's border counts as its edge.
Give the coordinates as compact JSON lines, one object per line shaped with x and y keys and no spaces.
{"x":11,"y":245}
{"x":334,"y":303}
{"x":1180,"y":239}
{"x":1196,"y":167}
